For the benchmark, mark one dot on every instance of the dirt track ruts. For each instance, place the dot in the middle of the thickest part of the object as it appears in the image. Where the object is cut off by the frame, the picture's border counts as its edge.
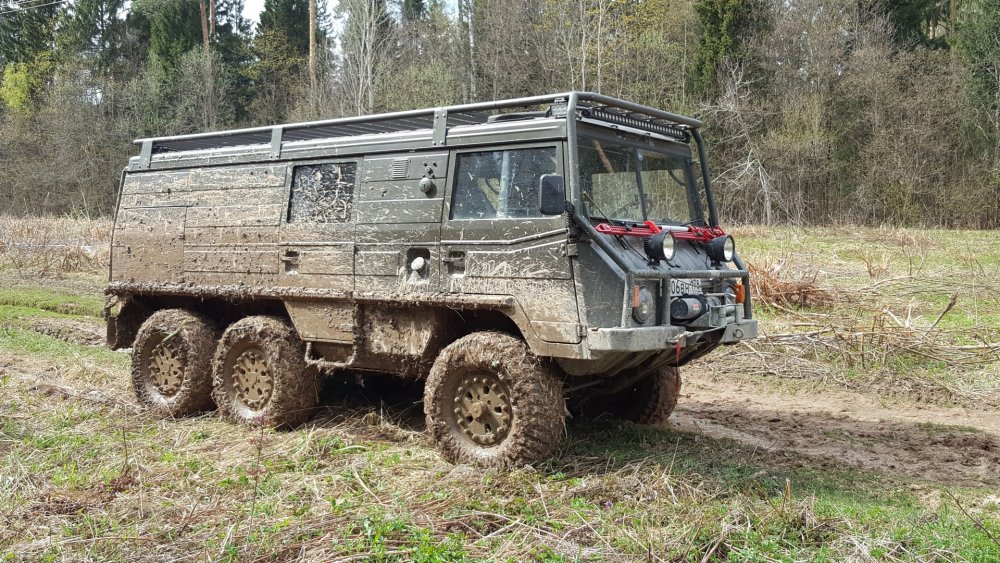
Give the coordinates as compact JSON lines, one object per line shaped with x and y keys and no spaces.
{"x":828,"y":428}
{"x":831,"y":428}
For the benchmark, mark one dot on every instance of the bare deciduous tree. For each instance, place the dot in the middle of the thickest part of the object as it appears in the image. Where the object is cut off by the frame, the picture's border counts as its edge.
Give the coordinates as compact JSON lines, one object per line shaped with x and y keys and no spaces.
{"x":365,"y":44}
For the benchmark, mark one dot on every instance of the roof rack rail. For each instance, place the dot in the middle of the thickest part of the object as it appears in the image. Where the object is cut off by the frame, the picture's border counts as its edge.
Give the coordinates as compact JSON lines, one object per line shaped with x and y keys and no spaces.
{"x":590,"y":105}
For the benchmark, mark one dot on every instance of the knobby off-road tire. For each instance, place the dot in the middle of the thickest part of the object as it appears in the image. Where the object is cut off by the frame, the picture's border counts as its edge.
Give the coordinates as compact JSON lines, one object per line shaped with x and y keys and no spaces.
{"x":650,"y":400}
{"x":171,"y":363}
{"x":490,"y":402}
{"x":260,"y":374}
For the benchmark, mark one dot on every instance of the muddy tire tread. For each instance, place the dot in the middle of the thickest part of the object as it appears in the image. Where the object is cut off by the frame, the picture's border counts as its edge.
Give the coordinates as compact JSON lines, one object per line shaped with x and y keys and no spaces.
{"x":535,"y":392}
{"x":199,"y":336}
{"x":295,"y":393}
{"x":656,"y":397}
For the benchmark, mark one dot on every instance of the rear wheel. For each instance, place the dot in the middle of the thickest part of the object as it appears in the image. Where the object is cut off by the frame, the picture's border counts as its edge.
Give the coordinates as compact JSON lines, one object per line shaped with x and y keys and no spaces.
{"x":261,"y":376}
{"x":492,"y":403}
{"x":171,"y":369}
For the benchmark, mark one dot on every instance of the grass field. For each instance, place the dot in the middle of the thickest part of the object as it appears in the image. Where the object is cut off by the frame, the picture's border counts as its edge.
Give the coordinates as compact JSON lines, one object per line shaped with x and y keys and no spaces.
{"x":864,"y":425}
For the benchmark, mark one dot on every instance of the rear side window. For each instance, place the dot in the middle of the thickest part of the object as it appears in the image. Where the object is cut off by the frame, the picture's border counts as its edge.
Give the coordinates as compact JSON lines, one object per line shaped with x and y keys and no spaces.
{"x":322,"y":193}
{"x":501,"y":184}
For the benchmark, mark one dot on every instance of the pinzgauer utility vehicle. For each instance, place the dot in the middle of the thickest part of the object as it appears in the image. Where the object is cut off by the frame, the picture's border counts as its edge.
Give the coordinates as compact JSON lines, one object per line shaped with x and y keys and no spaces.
{"x":516,"y":255}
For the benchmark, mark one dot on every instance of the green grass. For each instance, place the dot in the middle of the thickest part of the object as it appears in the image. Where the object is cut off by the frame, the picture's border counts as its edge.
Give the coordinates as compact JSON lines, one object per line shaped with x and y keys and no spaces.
{"x":53,"y":301}
{"x":617,"y":491}
{"x":87,"y":476}
{"x":937,"y":428}
{"x":30,"y":342}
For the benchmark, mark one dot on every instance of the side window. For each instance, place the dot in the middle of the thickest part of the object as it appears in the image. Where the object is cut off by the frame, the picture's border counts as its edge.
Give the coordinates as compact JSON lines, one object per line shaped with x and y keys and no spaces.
{"x":322,"y":193}
{"x":501,"y":184}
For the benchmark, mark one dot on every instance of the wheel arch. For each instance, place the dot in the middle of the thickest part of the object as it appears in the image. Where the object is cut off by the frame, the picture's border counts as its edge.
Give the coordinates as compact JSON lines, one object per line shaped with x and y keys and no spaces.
{"x":126,"y":313}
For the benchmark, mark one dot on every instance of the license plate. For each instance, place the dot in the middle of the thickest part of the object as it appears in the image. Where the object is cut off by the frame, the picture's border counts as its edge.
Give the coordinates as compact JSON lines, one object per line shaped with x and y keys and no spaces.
{"x":685,"y":287}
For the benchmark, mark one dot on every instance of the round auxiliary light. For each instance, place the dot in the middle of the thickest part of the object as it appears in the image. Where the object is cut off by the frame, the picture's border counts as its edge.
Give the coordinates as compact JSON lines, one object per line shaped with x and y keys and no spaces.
{"x":642,"y":312}
{"x":722,"y":249}
{"x":660,"y":246}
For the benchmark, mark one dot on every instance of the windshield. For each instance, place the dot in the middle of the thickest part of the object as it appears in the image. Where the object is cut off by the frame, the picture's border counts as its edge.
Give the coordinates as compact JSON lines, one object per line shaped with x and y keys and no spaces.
{"x":628,"y":183}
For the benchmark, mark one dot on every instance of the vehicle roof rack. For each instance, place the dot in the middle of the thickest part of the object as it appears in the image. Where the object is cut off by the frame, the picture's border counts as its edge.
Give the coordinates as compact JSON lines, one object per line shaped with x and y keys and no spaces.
{"x":589,"y":105}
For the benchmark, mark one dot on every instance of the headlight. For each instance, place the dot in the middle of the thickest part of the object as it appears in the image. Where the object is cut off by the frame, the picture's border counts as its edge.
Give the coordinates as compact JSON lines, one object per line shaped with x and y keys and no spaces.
{"x":722,"y":249}
{"x":660,"y":247}
{"x":643,"y":309}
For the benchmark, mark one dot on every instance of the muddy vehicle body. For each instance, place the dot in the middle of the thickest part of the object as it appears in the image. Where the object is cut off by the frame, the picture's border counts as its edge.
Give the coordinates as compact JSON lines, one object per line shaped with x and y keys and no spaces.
{"x":518,"y":255}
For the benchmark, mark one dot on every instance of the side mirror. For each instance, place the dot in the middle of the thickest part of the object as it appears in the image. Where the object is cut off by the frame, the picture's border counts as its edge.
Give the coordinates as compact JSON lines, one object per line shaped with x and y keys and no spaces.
{"x":552,"y":194}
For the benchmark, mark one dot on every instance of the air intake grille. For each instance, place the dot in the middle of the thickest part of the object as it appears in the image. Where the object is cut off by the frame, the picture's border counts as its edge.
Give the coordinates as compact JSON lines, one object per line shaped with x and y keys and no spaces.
{"x":400,"y":167}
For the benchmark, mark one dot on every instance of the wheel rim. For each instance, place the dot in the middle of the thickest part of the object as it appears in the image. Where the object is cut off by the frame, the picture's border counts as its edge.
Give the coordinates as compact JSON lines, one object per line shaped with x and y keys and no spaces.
{"x":482,"y":409}
{"x":166,"y":366}
{"x":252,"y":378}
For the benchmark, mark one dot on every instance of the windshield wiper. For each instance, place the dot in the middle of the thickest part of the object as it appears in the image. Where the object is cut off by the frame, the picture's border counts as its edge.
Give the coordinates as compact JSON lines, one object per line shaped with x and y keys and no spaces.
{"x":599,"y":210}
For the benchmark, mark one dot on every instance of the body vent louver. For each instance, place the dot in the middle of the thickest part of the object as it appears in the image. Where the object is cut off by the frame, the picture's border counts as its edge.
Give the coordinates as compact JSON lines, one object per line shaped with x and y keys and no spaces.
{"x":400,"y":167}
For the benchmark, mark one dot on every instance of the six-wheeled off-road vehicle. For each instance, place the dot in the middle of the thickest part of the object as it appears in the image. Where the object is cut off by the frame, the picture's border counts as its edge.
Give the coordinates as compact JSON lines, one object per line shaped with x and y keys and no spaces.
{"x":516,"y":255}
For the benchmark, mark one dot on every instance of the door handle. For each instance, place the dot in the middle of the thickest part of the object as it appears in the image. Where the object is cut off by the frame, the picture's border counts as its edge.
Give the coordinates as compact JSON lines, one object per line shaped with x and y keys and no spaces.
{"x":455,"y":262}
{"x":290,"y":261}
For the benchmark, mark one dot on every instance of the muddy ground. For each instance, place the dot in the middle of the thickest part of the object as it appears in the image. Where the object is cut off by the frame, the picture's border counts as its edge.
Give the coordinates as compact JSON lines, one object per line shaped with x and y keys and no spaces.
{"x":811,"y":427}
{"x":71,"y":330}
{"x":828,"y":428}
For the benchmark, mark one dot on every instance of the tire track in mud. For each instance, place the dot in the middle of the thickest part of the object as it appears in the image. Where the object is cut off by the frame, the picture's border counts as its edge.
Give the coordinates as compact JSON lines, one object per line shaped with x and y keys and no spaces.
{"x":951,"y":445}
{"x":69,"y":330}
{"x":815,"y":428}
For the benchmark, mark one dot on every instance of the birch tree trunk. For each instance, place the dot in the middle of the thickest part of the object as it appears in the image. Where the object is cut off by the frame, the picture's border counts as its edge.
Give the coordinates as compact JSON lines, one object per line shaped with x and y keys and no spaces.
{"x":312,"y":46}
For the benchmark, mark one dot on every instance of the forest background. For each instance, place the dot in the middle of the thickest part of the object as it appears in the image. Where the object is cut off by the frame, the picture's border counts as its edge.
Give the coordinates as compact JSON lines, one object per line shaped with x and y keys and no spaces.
{"x":818,"y":111}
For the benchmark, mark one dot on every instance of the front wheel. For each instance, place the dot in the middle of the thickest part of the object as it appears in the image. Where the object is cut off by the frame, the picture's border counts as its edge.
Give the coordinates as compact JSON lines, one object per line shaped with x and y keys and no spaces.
{"x":490,"y":402}
{"x":261,"y":376}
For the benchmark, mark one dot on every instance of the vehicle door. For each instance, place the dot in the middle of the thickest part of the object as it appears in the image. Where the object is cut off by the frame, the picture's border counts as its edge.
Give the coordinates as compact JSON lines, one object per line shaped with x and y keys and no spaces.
{"x":400,"y":200}
{"x":317,"y":235}
{"x":496,"y":241}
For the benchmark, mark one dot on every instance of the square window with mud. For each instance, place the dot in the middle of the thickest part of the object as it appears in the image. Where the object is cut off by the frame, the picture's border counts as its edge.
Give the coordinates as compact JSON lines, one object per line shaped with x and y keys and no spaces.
{"x":322,"y":193}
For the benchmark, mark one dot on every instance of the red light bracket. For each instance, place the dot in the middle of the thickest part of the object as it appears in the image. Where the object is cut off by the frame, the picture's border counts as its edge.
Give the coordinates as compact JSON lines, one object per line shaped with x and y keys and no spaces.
{"x":700,"y":234}
{"x":649,"y":228}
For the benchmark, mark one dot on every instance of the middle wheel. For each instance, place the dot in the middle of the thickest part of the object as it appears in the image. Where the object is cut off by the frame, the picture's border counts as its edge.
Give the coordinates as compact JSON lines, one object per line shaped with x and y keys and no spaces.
{"x":490,"y":402}
{"x":260,"y":374}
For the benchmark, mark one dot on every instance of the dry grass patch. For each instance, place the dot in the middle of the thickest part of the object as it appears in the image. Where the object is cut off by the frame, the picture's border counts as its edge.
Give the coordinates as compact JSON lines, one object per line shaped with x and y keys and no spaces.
{"x":903,"y":311}
{"x":775,"y":285}
{"x":50,"y":246}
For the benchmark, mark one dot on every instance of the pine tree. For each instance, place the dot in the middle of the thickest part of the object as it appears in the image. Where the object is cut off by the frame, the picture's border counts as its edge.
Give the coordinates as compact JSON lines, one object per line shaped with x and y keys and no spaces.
{"x":24,"y":33}
{"x":174,"y":29}
{"x":95,"y":29}
{"x":289,"y":19}
{"x":918,"y":21}
{"x":725,"y":23}
{"x":978,"y":42}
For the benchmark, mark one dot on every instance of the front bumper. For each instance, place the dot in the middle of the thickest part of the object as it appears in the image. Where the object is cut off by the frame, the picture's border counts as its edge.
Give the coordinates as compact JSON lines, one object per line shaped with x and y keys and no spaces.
{"x":649,"y":339}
